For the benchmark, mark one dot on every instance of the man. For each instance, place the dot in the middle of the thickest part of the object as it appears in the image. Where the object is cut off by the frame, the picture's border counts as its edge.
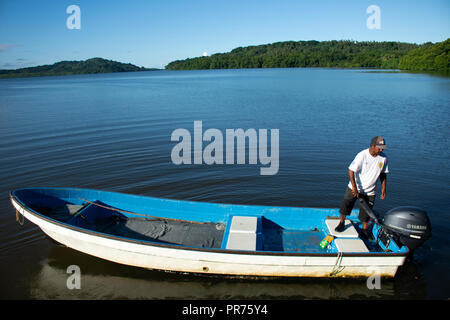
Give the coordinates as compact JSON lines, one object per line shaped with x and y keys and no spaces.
{"x":364,"y":171}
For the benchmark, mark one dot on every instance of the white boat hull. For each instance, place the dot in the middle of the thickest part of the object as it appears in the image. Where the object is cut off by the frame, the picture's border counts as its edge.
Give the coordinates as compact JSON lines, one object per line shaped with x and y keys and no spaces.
{"x":217,"y":262}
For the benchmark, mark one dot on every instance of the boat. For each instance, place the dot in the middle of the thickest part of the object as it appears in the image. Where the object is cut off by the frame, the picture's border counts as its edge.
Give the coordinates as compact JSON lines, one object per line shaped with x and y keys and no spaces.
{"x":221,"y":239}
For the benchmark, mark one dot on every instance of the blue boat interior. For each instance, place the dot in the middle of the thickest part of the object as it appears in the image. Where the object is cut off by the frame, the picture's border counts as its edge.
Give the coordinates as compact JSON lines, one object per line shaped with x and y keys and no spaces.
{"x":194,"y":224}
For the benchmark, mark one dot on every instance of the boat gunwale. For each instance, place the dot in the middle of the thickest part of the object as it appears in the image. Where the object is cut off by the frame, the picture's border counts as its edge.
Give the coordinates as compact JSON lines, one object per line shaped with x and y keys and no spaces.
{"x":159,"y":198}
{"x":181,"y":247}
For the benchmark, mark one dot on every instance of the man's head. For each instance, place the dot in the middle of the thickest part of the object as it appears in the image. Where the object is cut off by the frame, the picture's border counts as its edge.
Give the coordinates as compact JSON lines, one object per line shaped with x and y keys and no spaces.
{"x":377,"y":145}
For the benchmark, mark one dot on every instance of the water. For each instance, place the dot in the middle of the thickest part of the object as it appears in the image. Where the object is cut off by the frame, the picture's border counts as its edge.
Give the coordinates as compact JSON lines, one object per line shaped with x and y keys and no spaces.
{"x":112,"y":132}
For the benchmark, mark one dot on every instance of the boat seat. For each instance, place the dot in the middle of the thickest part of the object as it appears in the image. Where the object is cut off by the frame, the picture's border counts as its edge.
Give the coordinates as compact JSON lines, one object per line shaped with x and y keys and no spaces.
{"x":349,"y":231}
{"x":241,"y":224}
{"x":242,"y":241}
{"x":244,"y":233}
{"x":350,"y":245}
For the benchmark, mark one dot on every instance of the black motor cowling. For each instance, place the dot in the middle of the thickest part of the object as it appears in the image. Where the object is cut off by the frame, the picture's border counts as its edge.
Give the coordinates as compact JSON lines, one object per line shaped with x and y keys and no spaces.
{"x":409,"y":225}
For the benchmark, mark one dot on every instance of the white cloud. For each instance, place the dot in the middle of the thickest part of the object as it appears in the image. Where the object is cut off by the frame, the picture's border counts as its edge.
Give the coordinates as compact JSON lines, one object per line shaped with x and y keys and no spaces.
{"x":6,"y":46}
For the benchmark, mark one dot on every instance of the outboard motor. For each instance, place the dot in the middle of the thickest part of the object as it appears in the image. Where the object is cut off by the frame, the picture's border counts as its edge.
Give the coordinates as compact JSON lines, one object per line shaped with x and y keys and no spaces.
{"x":409,"y":226}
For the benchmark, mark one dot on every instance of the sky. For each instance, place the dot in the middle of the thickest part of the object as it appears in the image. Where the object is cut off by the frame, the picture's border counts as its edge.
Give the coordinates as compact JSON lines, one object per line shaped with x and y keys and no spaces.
{"x":152,"y":33}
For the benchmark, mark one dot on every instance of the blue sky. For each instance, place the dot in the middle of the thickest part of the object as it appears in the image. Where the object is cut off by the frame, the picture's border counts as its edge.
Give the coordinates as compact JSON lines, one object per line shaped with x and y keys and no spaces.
{"x":152,"y":33}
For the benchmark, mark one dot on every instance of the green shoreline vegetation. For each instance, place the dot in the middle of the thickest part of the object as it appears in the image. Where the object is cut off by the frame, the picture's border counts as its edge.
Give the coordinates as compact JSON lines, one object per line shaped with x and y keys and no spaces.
{"x":427,"y":57}
{"x":90,"y":66}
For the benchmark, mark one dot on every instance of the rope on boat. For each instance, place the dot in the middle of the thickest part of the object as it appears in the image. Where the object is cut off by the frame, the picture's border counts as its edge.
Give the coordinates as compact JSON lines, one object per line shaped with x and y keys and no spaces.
{"x":18,"y":214}
{"x":337,"y":265}
{"x":139,"y":214}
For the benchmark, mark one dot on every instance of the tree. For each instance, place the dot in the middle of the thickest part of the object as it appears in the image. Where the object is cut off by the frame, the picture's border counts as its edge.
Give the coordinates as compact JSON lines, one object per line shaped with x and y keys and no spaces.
{"x":428,"y":57}
{"x":292,"y":54}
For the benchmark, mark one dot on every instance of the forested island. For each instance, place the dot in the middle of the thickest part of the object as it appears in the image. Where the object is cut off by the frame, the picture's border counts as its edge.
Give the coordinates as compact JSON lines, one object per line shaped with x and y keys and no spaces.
{"x":94,"y":65}
{"x":327,"y":54}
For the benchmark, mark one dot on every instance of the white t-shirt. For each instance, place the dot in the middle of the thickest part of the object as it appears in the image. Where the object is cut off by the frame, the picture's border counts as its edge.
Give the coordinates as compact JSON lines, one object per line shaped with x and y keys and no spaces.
{"x":367,"y":169}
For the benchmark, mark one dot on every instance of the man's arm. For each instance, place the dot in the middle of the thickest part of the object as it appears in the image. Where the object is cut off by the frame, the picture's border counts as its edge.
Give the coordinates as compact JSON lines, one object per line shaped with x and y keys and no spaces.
{"x":383,"y":185}
{"x":351,"y":175}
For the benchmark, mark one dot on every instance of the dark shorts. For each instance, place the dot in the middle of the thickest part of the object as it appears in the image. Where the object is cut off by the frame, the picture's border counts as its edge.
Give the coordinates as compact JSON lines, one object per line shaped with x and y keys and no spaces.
{"x":349,"y":202}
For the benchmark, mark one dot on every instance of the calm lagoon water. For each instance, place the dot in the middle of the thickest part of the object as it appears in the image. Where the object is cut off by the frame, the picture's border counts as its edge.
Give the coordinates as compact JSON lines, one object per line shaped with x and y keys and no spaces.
{"x":112,"y":132}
